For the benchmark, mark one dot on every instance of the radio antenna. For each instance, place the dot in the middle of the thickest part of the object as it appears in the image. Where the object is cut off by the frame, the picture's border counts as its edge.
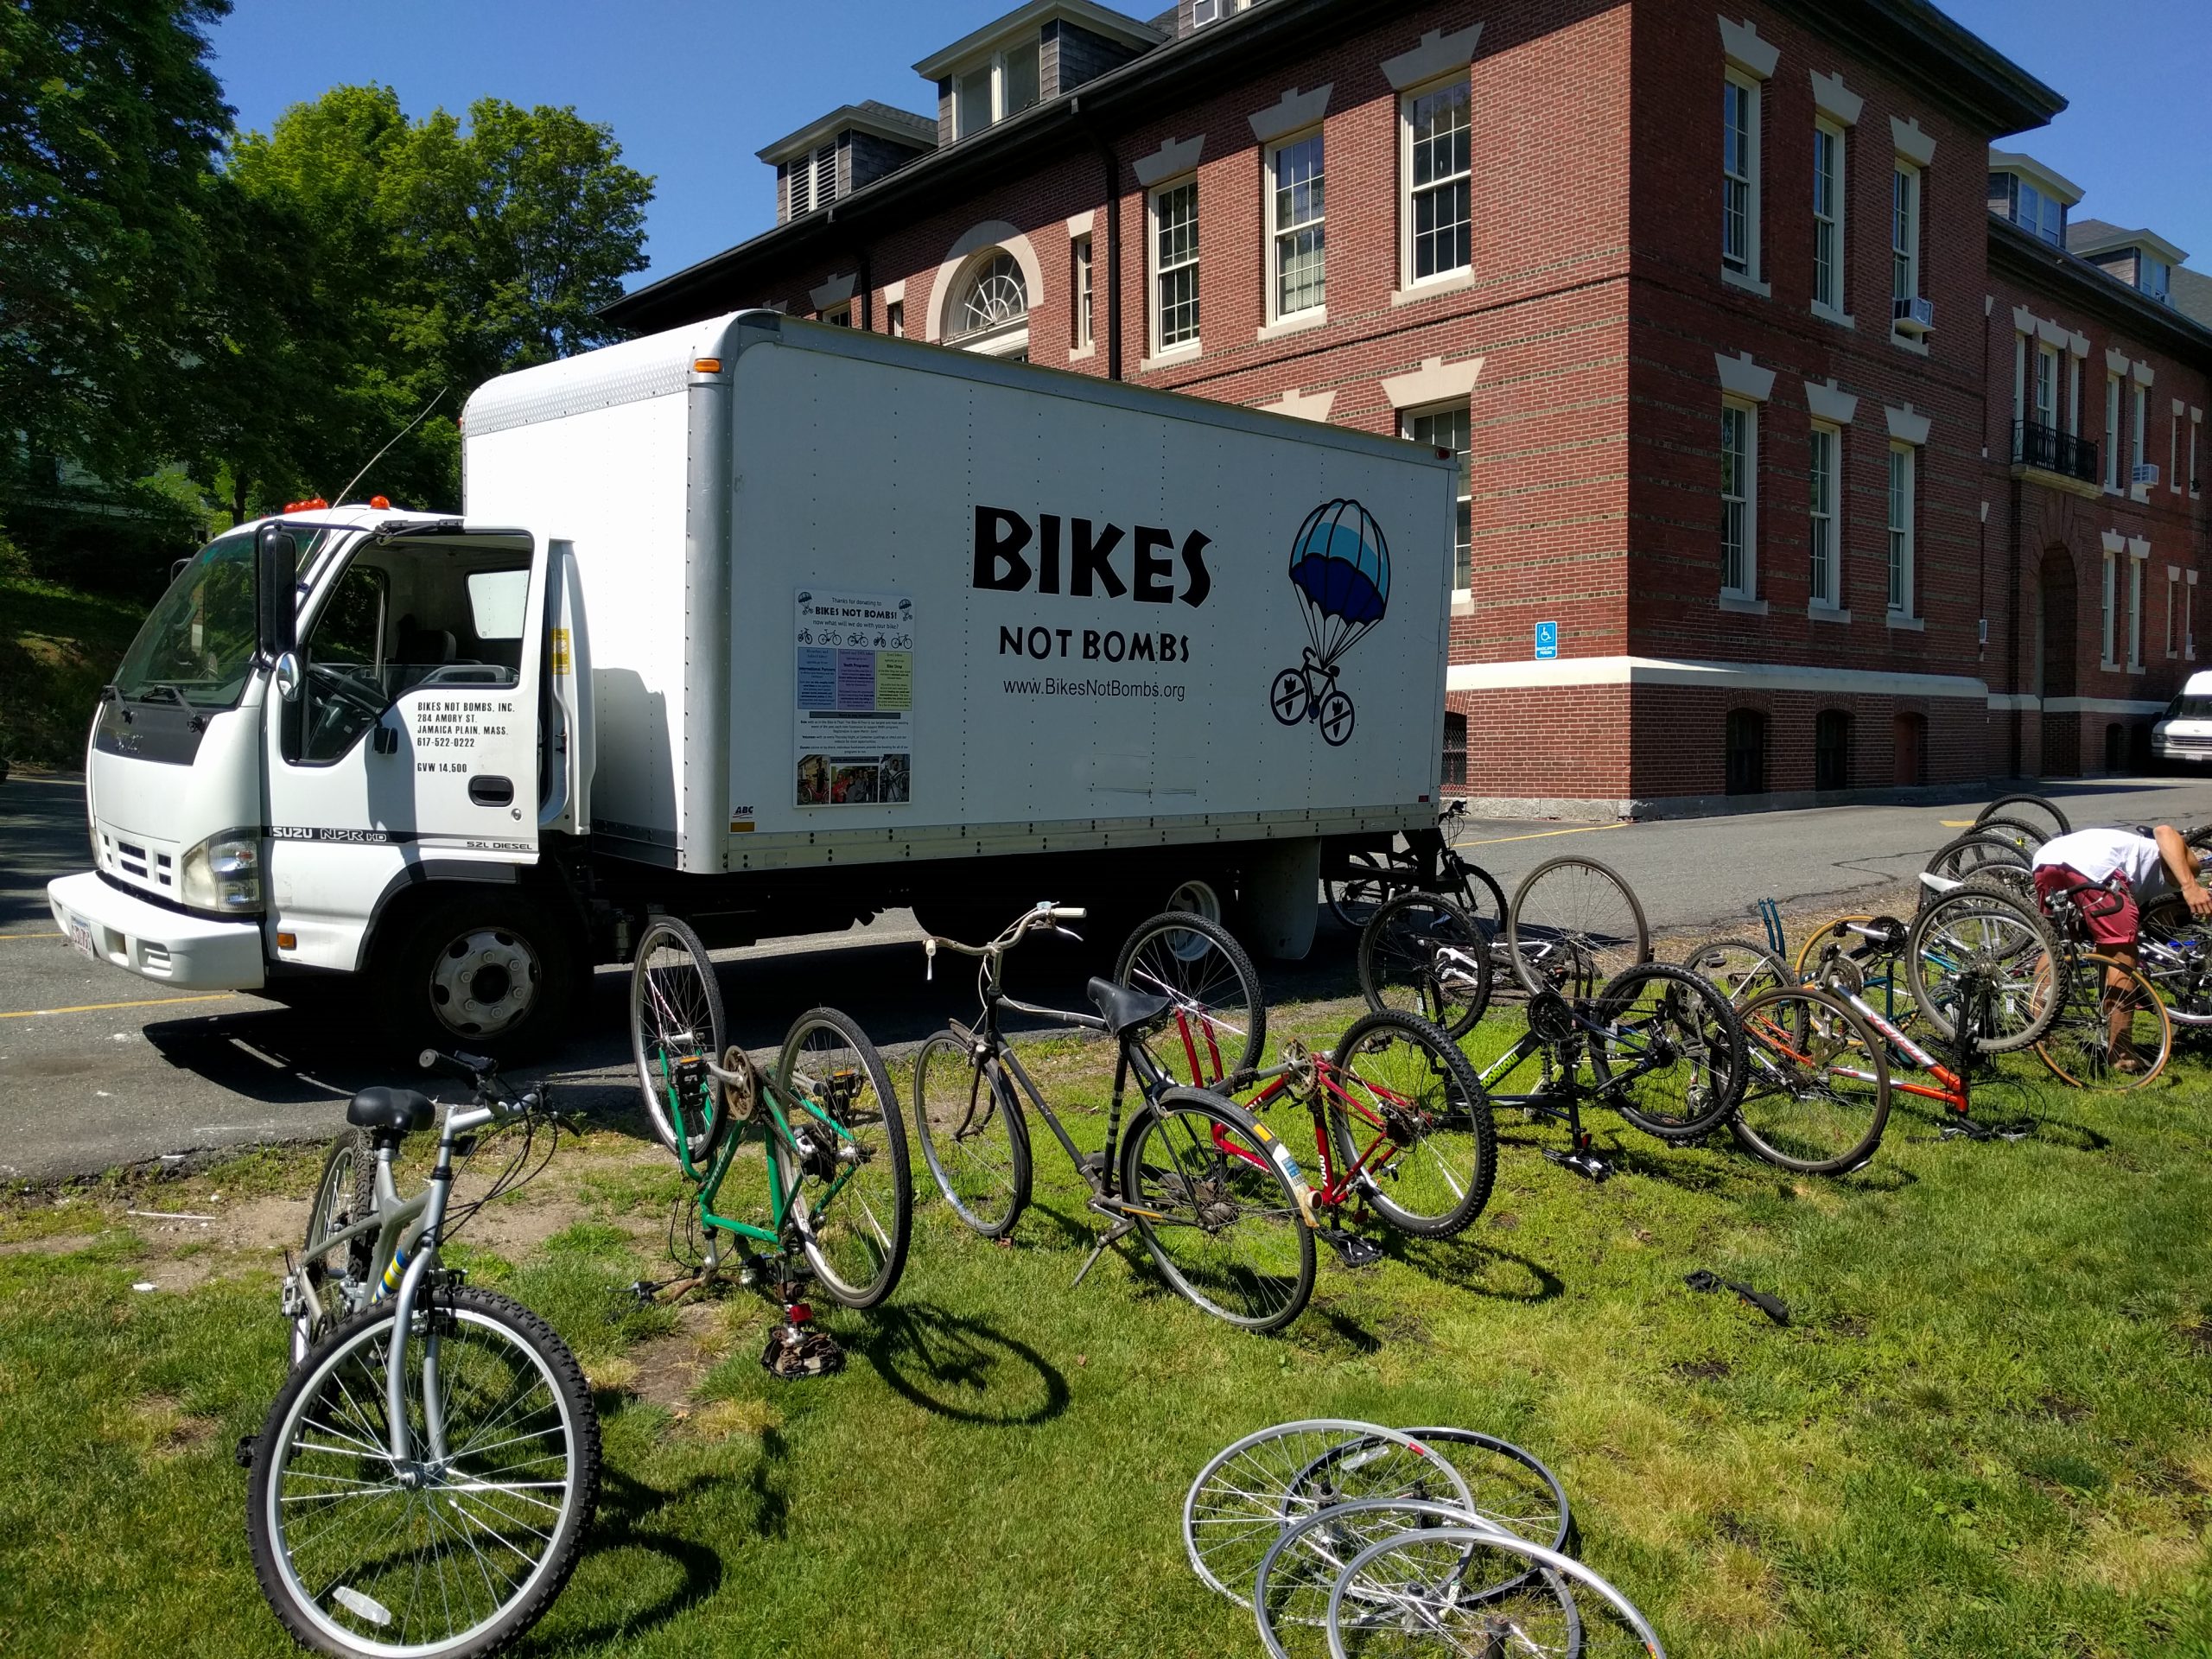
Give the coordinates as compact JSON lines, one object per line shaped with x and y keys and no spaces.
{"x":421,"y":415}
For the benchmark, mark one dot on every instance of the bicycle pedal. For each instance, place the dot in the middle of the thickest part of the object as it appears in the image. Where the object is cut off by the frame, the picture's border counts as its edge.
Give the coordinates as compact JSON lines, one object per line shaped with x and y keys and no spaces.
{"x":1351,"y":1249}
{"x":795,"y":1350}
{"x":242,"y":1454}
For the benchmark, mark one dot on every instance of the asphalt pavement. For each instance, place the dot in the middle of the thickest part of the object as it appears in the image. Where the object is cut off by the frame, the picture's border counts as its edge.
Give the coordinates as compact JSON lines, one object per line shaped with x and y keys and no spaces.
{"x":100,"y":1068}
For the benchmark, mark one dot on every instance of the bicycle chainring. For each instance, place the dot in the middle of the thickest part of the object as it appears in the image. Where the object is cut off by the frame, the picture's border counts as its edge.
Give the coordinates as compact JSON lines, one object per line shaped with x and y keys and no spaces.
{"x":741,"y":1097}
{"x":1550,"y":1018}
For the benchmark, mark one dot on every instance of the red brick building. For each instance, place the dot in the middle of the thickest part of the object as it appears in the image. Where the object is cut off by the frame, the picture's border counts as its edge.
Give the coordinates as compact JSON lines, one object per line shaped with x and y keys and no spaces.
{"x":1732,"y":317}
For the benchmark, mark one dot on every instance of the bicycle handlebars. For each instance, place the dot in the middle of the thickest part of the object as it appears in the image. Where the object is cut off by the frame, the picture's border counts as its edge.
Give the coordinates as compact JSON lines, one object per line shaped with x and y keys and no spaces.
{"x":1044,"y":913}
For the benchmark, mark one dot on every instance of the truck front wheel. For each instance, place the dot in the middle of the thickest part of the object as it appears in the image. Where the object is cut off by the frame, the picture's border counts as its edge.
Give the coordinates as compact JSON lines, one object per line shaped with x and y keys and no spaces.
{"x":486,"y":973}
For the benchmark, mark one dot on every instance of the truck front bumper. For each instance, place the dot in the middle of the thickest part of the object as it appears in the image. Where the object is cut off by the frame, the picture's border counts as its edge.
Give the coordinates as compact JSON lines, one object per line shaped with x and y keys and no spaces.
{"x":110,"y":925}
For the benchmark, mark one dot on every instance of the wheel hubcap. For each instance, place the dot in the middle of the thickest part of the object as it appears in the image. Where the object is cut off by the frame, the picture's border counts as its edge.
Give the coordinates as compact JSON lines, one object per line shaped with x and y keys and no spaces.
{"x":1194,"y":898}
{"x":484,"y":983}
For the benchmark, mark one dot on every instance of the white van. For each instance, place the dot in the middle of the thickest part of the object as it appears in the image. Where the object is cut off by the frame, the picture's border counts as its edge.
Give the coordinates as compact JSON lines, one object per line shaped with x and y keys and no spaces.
{"x":2184,"y":734}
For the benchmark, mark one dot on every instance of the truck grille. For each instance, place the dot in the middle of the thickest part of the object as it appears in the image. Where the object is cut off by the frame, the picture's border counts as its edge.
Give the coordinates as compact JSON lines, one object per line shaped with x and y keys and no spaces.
{"x":129,"y":860}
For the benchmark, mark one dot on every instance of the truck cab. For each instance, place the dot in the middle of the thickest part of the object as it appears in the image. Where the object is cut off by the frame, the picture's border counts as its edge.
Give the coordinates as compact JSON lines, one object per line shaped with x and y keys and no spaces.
{"x":2182,"y":735}
{"x":344,"y":733}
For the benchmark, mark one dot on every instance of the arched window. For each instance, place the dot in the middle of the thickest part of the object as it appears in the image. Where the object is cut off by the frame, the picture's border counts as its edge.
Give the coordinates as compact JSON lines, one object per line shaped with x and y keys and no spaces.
{"x":1831,"y":749}
{"x":1911,"y":732}
{"x":1455,"y":751}
{"x":993,"y":312}
{"x":1746,"y":751}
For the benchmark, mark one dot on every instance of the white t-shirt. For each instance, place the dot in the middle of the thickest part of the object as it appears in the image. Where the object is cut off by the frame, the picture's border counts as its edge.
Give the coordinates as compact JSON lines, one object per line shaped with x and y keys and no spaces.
{"x":2101,"y":854}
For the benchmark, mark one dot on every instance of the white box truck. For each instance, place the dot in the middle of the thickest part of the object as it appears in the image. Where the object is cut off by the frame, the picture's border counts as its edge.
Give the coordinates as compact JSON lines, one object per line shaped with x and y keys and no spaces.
{"x":772,"y":625}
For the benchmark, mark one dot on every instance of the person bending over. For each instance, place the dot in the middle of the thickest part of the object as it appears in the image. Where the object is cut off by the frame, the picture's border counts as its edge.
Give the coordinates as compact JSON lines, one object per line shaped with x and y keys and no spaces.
{"x":2139,"y":867}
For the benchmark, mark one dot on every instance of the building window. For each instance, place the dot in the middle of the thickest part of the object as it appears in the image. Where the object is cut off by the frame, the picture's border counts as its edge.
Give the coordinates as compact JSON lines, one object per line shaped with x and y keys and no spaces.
{"x":895,"y":318}
{"x":2189,"y":616}
{"x":1451,"y":428}
{"x":1909,"y":732}
{"x":2142,"y":418}
{"x":2030,"y":209}
{"x":2195,"y":478}
{"x":2135,"y":614}
{"x":1831,"y":749}
{"x":1296,"y":212}
{"x":1827,"y":446}
{"x":2046,"y":413}
{"x":2156,"y":278}
{"x":2111,"y":593}
{"x":1739,"y":175}
{"x":2173,"y":582}
{"x":1902,"y":468}
{"x":2112,"y":432}
{"x":1212,"y":11}
{"x":1005,"y":85}
{"x":1438,"y":171}
{"x":839,"y":316}
{"x":1739,"y":501}
{"x":1745,"y":747}
{"x":1081,"y":286}
{"x":1827,"y":216}
{"x":1175,"y":265}
{"x":810,"y":181}
{"x":1455,"y":751}
{"x":1904,"y":240}
{"x":2173,"y":455}
{"x":995,"y":299}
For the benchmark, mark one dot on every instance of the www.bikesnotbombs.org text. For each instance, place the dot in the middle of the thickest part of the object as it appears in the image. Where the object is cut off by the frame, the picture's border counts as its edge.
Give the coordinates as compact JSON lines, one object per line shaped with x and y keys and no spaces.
{"x":1049,"y":687}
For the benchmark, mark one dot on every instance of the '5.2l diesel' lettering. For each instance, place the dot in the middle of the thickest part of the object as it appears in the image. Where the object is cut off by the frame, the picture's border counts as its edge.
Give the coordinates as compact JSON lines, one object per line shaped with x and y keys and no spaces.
{"x":1008,"y":562}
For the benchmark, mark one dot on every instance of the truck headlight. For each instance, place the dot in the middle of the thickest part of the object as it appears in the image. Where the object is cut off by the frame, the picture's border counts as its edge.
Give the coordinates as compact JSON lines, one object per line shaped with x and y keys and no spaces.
{"x":223,"y":873}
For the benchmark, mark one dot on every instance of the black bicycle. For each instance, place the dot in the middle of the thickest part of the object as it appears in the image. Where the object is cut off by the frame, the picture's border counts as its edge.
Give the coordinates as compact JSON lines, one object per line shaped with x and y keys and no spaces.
{"x":1216,"y":1196}
{"x":1358,"y":886}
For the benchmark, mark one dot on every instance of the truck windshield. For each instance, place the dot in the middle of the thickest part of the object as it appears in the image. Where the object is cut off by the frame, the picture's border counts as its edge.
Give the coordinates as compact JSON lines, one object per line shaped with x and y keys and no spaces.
{"x":197,"y":646}
{"x":2188,"y":706}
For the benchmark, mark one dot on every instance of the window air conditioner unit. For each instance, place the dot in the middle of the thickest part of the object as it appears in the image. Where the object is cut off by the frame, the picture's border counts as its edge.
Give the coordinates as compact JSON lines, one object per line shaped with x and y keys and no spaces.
{"x":1913,"y":316}
{"x":2147,"y":472}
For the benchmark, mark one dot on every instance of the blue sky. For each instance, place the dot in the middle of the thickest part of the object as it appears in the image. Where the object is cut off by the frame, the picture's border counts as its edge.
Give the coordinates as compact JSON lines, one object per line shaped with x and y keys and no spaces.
{"x":693,"y":87}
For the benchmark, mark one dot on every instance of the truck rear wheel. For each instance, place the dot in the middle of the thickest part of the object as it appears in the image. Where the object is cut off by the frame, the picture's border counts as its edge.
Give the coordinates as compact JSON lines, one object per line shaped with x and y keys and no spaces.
{"x":487,"y":972}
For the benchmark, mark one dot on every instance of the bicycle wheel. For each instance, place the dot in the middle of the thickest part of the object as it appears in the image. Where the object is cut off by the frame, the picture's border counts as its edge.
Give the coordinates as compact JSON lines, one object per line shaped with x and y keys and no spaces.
{"x":1251,"y":1490}
{"x":1437,"y":1590}
{"x":974,"y":1137}
{"x":345,"y":1192}
{"x":1511,"y":1485}
{"x":2022,"y":834}
{"x":1740,"y":969}
{"x":675,"y":1014}
{"x":1981,"y":944}
{"x":2114,"y":1037}
{"x":1353,"y":898}
{"x":1816,"y":1094}
{"x":454,"y":1554}
{"x":1398,"y":1085}
{"x":2031,"y":809}
{"x":1478,"y":894}
{"x":1842,"y":958}
{"x":1573,"y":926}
{"x":1975,"y":854}
{"x":1221,"y":1022}
{"x":1208,"y":1190}
{"x":1423,"y":954}
{"x":2177,"y":951}
{"x":1668,"y":1052}
{"x":844,"y":1167}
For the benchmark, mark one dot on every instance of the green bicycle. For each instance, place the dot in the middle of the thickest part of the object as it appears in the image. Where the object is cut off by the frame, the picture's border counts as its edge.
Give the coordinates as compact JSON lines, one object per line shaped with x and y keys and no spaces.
{"x":839,"y":1189}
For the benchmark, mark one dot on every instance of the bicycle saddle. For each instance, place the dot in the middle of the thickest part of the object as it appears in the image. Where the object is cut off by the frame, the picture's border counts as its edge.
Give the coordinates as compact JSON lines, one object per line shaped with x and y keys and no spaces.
{"x":381,"y":1108}
{"x":1125,"y":1009}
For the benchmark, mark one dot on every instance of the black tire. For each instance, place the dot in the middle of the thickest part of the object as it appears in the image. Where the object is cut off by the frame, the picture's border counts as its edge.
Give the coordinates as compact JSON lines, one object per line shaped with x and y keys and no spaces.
{"x":973,"y":1136}
{"x":675,"y":1014}
{"x":484,"y":971}
{"x":1668,"y":1055}
{"x":1203,"y":1166}
{"x":2022,"y":834}
{"x":857,"y":1246}
{"x":1221,"y":1024}
{"x":355,"y":1346}
{"x":1817,"y":1094}
{"x":1969,"y":854}
{"x":345,"y":1192}
{"x":1482,"y":899}
{"x":1353,"y":900}
{"x":1741,"y":968}
{"x":1984,"y":928}
{"x":1574,"y":925}
{"x":1406,"y":1073}
{"x":1423,"y":955}
{"x":2019,"y":806}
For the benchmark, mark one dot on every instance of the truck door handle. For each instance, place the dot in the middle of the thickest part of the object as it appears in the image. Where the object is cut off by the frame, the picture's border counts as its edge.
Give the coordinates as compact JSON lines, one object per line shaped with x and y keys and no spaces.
{"x":491,"y":791}
{"x":386,"y":739}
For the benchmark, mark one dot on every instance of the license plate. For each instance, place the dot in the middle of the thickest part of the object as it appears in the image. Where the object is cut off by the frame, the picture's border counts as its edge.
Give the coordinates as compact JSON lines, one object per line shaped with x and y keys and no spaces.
{"x":80,"y":935}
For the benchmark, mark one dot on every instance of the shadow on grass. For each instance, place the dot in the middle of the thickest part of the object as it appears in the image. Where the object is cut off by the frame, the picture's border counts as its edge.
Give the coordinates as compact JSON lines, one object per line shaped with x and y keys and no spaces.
{"x":626,"y":1505}
{"x":1470,"y":1267}
{"x":963,"y":1368}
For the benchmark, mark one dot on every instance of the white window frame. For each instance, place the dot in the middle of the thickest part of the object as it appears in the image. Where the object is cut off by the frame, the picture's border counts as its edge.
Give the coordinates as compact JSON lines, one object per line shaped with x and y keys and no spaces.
{"x":1083,"y":285}
{"x":2173,"y":455}
{"x":2164,"y":291}
{"x":1904,"y":237}
{"x":839,"y":317}
{"x":895,"y":318}
{"x":2046,"y":357}
{"x":2111,"y":606}
{"x":2135,"y":448}
{"x":1902,"y":512}
{"x":2073,"y":396}
{"x":1825,"y":530}
{"x":2189,"y":616}
{"x":1464,"y":409}
{"x":2173,"y":582}
{"x":2196,"y":427}
{"x":2135,"y":563}
{"x":1463,"y":83}
{"x":994,"y":67}
{"x":1156,"y":274}
{"x":1278,"y":232}
{"x":1749,"y":273}
{"x":1747,"y":585}
{"x":1835,"y":220}
{"x":2113,"y":434}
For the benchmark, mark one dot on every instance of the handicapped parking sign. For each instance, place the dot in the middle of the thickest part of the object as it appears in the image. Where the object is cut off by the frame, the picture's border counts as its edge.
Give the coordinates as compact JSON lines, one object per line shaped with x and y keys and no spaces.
{"x":1546,"y":641}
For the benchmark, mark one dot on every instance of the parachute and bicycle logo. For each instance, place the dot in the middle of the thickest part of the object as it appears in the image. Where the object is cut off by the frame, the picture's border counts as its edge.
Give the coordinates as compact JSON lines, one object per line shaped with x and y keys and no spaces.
{"x":1340,"y":564}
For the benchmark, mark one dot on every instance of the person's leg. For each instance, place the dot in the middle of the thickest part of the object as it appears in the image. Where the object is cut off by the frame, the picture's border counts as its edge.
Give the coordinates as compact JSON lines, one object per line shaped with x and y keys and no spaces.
{"x":2119,"y":1010}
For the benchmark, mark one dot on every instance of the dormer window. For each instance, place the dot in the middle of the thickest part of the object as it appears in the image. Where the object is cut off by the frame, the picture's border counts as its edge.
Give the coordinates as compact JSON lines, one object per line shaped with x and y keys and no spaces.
{"x":1003,"y":85}
{"x":2029,"y":193}
{"x":2155,"y":278}
{"x":1212,"y":11}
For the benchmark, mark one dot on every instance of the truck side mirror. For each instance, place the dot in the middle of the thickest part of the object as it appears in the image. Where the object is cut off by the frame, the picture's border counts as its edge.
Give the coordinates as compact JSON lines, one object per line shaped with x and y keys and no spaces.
{"x":286,"y":673}
{"x":276,"y":577}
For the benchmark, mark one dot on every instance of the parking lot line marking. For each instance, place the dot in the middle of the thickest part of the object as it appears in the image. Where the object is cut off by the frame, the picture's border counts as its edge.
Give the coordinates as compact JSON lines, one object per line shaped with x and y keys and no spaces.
{"x":1539,"y":835}
{"x":29,"y":936}
{"x":1957,"y":824}
{"x":101,"y":1007}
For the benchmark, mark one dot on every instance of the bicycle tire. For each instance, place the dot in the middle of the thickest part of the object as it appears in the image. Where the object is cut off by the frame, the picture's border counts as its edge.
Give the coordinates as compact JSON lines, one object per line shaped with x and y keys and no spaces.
{"x":1222,"y":1164}
{"x":2008,"y":806}
{"x":1589,"y":926}
{"x":345,"y":1192}
{"x":1222,"y":1028}
{"x":1986,"y":928}
{"x":1796,"y":1038}
{"x":1352,"y":899}
{"x":1422,"y":953}
{"x":2185,"y":984}
{"x":2022,"y":834}
{"x":275,"y":1529}
{"x":2077,"y":1049}
{"x":673,"y":994}
{"x":1739,"y":968}
{"x":1433,"y":1092}
{"x":828,"y":1059}
{"x":983,"y":1166}
{"x":1967,"y":855}
{"x":1481,"y":897}
{"x":1711,"y":1038}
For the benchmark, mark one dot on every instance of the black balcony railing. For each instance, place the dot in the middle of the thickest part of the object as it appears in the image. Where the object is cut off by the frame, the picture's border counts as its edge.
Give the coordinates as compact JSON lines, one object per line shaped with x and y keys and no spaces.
{"x":2035,"y":444}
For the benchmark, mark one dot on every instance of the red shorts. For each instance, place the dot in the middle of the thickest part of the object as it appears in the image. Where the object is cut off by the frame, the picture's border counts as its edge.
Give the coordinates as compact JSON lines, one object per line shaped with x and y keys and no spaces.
{"x":2110,"y":918}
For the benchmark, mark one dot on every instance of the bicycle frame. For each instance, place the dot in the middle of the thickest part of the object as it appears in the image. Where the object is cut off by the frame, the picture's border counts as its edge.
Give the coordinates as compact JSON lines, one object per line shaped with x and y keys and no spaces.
{"x":1563,"y":1053}
{"x":1335,"y":1190}
{"x":710,"y":1181}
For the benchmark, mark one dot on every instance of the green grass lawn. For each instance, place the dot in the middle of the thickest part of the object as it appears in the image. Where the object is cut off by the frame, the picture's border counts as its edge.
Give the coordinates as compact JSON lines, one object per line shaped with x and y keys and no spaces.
{"x":1987,"y":1429}
{"x":57,"y":648}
